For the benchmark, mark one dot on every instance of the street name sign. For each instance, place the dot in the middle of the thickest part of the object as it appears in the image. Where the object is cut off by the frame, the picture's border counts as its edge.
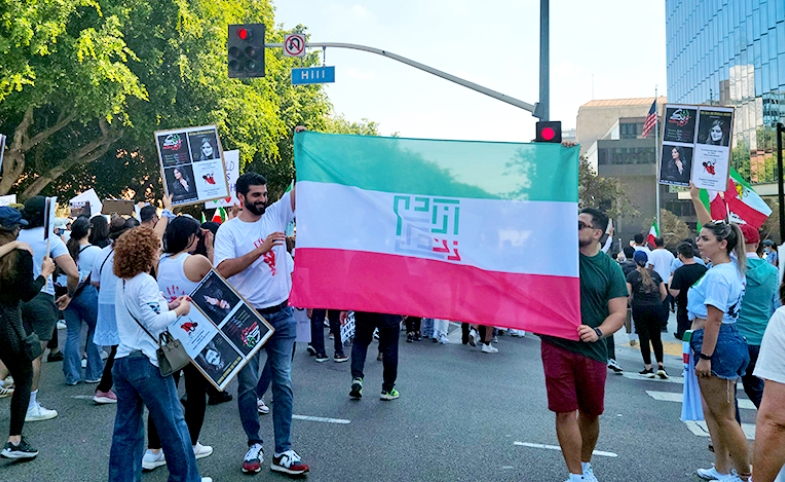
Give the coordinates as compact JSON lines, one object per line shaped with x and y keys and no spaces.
{"x":313,"y":75}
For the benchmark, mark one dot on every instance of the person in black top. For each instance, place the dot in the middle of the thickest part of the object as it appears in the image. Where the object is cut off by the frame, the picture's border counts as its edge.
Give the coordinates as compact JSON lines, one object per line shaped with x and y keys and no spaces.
{"x":684,"y":277}
{"x":16,"y":277}
{"x":648,"y":291}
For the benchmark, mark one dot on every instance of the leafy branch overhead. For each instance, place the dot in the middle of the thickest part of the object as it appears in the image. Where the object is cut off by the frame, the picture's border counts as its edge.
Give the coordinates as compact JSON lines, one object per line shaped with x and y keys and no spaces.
{"x":603,"y":193}
{"x":84,"y":84}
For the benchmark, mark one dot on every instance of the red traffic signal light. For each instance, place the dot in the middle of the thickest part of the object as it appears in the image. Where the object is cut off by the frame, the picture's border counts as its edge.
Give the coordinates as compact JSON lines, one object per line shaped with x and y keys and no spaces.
{"x":243,"y":33}
{"x":245,"y":49}
{"x":548,"y":131}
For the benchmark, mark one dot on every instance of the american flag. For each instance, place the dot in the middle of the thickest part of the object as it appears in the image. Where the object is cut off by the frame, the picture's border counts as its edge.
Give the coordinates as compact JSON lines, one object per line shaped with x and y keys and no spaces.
{"x":651,"y":119}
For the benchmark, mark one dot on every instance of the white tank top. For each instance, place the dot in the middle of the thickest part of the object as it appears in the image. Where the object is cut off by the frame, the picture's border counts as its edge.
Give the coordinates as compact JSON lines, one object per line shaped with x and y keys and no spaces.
{"x":171,"y":277}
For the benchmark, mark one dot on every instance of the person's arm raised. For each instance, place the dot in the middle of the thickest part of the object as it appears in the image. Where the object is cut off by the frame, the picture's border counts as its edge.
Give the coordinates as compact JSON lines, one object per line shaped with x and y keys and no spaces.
{"x":230,"y":267}
{"x":163,"y":222}
{"x":700,"y":210}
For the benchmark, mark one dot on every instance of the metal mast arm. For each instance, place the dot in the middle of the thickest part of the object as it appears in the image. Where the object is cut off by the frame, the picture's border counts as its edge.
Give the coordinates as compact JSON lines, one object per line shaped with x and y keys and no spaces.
{"x":444,"y":75}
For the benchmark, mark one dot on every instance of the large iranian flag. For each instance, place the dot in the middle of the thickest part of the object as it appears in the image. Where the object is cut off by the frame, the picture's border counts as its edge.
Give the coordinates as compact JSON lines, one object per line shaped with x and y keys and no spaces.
{"x":467,"y":231}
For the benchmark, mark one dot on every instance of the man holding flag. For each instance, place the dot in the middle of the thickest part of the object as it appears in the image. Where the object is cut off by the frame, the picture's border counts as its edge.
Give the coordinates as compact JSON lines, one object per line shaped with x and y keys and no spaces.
{"x":575,"y":371}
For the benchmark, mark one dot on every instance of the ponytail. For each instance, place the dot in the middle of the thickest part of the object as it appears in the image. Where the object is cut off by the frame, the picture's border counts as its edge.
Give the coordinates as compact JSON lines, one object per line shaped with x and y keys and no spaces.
{"x":739,"y":249}
{"x":648,"y":282}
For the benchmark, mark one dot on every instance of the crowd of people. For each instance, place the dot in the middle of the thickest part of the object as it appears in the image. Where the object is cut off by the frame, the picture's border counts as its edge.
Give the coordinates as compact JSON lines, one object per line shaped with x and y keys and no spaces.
{"x":128,"y":279}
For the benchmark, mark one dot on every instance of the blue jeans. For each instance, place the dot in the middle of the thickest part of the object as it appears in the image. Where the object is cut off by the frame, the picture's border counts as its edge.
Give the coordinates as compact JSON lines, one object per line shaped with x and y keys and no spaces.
{"x":138,"y":383}
{"x":731,"y":355}
{"x":83,"y":308}
{"x":279,"y":353}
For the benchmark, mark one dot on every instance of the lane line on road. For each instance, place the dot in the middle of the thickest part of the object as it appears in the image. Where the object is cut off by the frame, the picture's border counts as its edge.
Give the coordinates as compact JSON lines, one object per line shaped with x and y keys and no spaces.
{"x":309,"y":418}
{"x":83,"y":397}
{"x":556,"y":447}
{"x":699,"y":428}
{"x":678,"y":397}
{"x":635,"y":376}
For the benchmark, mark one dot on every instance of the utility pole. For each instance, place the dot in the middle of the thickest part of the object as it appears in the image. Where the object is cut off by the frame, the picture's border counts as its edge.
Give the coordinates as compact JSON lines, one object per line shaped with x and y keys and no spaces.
{"x":544,"y":104}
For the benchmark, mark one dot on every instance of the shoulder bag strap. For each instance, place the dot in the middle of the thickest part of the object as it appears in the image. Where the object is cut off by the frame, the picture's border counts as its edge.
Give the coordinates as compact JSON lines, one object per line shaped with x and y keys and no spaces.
{"x":101,"y":269}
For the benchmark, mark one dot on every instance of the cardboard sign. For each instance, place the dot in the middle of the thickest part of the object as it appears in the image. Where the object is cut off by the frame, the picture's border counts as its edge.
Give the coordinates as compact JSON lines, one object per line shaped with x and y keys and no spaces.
{"x":80,"y":209}
{"x":232,"y":161}
{"x":192,"y":164}
{"x":8,"y":199}
{"x":121,"y":207}
{"x":696,"y":146}
{"x":222,"y":331}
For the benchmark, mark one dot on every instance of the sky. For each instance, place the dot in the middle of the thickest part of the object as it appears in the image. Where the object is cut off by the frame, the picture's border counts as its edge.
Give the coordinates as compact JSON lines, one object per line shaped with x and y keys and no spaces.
{"x":602,"y":49}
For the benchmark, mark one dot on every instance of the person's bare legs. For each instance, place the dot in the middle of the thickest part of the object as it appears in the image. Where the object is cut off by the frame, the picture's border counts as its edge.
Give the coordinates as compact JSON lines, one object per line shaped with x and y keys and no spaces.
{"x":3,"y":371}
{"x":590,"y":431}
{"x":37,"y":367}
{"x":718,"y":395}
{"x":721,"y":455}
{"x":568,"y":432}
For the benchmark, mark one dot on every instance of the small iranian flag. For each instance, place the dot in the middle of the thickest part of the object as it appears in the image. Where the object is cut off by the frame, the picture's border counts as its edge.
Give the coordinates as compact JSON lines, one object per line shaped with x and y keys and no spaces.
{"x":219,"y":216}
{"x":654,"y":232}
{"x":741,"y":204}
{"x":466,"y":231}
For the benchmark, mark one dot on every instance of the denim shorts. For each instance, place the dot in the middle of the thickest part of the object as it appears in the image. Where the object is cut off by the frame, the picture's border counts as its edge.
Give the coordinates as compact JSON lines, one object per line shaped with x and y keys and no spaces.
{"x":731,"y":355}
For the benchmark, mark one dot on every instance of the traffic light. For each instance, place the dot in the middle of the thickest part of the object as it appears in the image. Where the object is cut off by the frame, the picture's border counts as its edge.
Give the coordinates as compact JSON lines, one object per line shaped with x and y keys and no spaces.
{"x":548,"y":131}
{"x":246,"y":50}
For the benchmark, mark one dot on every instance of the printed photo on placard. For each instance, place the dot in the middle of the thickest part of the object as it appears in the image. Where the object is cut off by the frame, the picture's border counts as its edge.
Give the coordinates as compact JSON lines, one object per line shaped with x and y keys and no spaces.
{"x":675,"y":165}
{"x":215,"y":298}
{"x":194,"y":331}
{"x":218,"y":359}
{"x":180,"y":181}
{"x":173,"y":149}
{"x":679,"y":125}
{"x":210,"y":179}
{"x":204,"y":145}
{"x":714,"y":127}
{"x":244,"y":329}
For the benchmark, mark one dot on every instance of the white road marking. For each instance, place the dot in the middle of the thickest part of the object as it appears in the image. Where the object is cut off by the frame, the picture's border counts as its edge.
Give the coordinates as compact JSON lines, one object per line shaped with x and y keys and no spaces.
{"x":321,"y":419}
{"x":635,"y":376}
{"x":678,"y":397}
{"x":556,"y":447}
{"x":700,"y":429}
{"x":83,"y":397}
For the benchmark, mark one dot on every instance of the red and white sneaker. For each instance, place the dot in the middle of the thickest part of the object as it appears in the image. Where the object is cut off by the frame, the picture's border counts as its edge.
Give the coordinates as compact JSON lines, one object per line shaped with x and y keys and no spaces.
{"x":252,"y":463}
{"x":289,"y":463}
{"x":103,"y":398}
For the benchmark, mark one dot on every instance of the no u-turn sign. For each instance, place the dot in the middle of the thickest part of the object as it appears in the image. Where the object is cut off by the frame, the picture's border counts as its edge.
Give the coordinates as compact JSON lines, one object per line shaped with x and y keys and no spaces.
{"x":294,"y":45}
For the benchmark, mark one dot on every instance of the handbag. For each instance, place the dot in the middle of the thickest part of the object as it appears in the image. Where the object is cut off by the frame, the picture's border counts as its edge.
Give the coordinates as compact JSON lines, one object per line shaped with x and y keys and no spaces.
{"x":171,"y":354}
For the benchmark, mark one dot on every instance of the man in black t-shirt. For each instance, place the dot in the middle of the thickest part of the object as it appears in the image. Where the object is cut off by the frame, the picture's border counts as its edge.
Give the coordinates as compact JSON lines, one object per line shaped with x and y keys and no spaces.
{"x":683,"y":278}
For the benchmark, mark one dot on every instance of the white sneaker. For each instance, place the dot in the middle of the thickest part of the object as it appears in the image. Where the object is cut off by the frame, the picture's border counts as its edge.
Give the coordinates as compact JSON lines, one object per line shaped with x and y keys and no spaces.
{"x":489,"y":349}
{"x":588,"y":475}
{"x":261,"y":407}
{"x":38,"y":413}
{"x":443,"y":339}
{"x":207,"y":479}
{"x":202,"y":451}
{"x":474,"y":337}
{"x":152,"y":461}
{"x":711,"y":474}
{"x":61,"y":325}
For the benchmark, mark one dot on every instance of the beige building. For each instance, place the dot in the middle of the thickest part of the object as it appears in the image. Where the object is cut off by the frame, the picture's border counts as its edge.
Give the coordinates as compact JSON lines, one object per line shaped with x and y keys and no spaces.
{"x":597,"y":117}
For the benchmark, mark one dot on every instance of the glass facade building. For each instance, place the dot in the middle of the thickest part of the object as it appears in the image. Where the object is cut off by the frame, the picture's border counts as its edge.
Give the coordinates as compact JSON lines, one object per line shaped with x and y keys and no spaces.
{"x":732,"y":53}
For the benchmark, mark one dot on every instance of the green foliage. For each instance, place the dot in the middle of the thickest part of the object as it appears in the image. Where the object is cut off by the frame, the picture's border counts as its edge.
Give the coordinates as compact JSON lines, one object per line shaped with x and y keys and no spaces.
{"x":673,"y":229}
{"x":603,"y":193}
{"x":84,"y":84}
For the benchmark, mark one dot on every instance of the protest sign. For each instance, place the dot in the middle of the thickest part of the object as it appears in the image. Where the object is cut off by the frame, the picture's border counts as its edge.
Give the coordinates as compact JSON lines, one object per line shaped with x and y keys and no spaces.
{"x":192,"y":164}
{"x":232,"y":162}
{"x":49,"y":220}
{"x":453,"y":239}
{"x":121,"y":207}
{"x":222,"y":331}
{"x":696,"y":146}
{"x":79,"y":208}
{"x":8,"y":199}
{"x":87,"y":198}
{"x":2,"y":150}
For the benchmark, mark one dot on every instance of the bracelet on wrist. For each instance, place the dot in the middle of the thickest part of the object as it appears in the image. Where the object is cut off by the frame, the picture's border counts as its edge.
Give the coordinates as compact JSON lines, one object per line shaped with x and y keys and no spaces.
{"x":704,"y":356}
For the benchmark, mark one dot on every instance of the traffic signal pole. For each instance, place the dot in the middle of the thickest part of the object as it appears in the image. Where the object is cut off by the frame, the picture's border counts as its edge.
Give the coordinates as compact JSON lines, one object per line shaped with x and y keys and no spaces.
{"x":444,"y":75}
{"x":544,"y":105}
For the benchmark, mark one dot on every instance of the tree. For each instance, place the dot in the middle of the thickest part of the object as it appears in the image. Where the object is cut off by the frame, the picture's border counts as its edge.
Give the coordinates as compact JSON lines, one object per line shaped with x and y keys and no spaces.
{"x":603,"y":193}
{"x":673,"y":230}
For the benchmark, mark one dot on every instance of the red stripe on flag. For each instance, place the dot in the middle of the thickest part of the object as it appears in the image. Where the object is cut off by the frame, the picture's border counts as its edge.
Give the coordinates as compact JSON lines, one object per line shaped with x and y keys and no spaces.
{"x":745,"y":212}
{"x":385,"y":283}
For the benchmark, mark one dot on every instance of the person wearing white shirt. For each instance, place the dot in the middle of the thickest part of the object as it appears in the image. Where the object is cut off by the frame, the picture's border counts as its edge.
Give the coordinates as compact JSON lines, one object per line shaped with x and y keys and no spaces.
{"x":142,"y":314}
{"x":250,"y":253}
{"x":661,"y":259}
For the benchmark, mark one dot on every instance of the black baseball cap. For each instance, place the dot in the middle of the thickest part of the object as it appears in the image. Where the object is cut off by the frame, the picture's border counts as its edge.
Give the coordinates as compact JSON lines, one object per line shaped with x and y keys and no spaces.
{"x":11,"y":218}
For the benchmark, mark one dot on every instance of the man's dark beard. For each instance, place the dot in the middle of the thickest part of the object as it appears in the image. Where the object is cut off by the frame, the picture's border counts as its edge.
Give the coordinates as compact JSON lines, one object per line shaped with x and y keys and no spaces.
{"x":583,"y":244}
{"x":251,"y":207}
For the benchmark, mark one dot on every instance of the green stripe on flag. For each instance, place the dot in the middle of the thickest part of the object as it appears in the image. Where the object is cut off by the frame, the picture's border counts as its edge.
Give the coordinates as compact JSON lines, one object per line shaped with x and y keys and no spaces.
{"x":479,"y":170}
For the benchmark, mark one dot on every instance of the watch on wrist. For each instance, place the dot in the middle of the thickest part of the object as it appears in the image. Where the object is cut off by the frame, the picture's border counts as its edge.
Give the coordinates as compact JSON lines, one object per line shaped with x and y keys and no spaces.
{"x":705,"y":356}
{"x":599,"y":333}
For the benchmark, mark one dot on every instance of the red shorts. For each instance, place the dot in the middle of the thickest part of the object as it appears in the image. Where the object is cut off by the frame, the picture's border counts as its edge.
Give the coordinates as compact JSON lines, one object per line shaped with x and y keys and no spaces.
{"x":573,"y":381}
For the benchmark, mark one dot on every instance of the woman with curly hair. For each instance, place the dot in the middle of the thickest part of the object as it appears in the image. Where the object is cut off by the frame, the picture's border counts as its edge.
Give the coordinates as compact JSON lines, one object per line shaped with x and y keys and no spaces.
{"x":142,"y":314}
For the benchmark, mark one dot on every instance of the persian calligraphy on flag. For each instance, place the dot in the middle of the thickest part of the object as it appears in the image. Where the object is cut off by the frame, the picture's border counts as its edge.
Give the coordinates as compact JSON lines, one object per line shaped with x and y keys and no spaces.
{"x":482,"y":232}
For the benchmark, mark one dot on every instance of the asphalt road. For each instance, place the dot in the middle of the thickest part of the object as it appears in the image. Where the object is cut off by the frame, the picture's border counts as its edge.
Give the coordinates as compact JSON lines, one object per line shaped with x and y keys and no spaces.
{"x":462,"y":416}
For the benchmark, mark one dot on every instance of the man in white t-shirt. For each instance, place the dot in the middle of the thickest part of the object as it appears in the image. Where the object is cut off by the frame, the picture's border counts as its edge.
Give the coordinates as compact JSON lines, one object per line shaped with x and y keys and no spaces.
{"x":639,"y":245}
{"x":661,"y":259}
{"x":769,"y":455}
{"x":39,"y":315}
{"x":250,"y":253}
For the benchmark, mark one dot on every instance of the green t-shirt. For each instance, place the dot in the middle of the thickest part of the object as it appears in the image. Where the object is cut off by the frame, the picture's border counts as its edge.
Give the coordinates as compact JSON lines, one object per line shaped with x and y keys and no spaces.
{"x":601,"y":280}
